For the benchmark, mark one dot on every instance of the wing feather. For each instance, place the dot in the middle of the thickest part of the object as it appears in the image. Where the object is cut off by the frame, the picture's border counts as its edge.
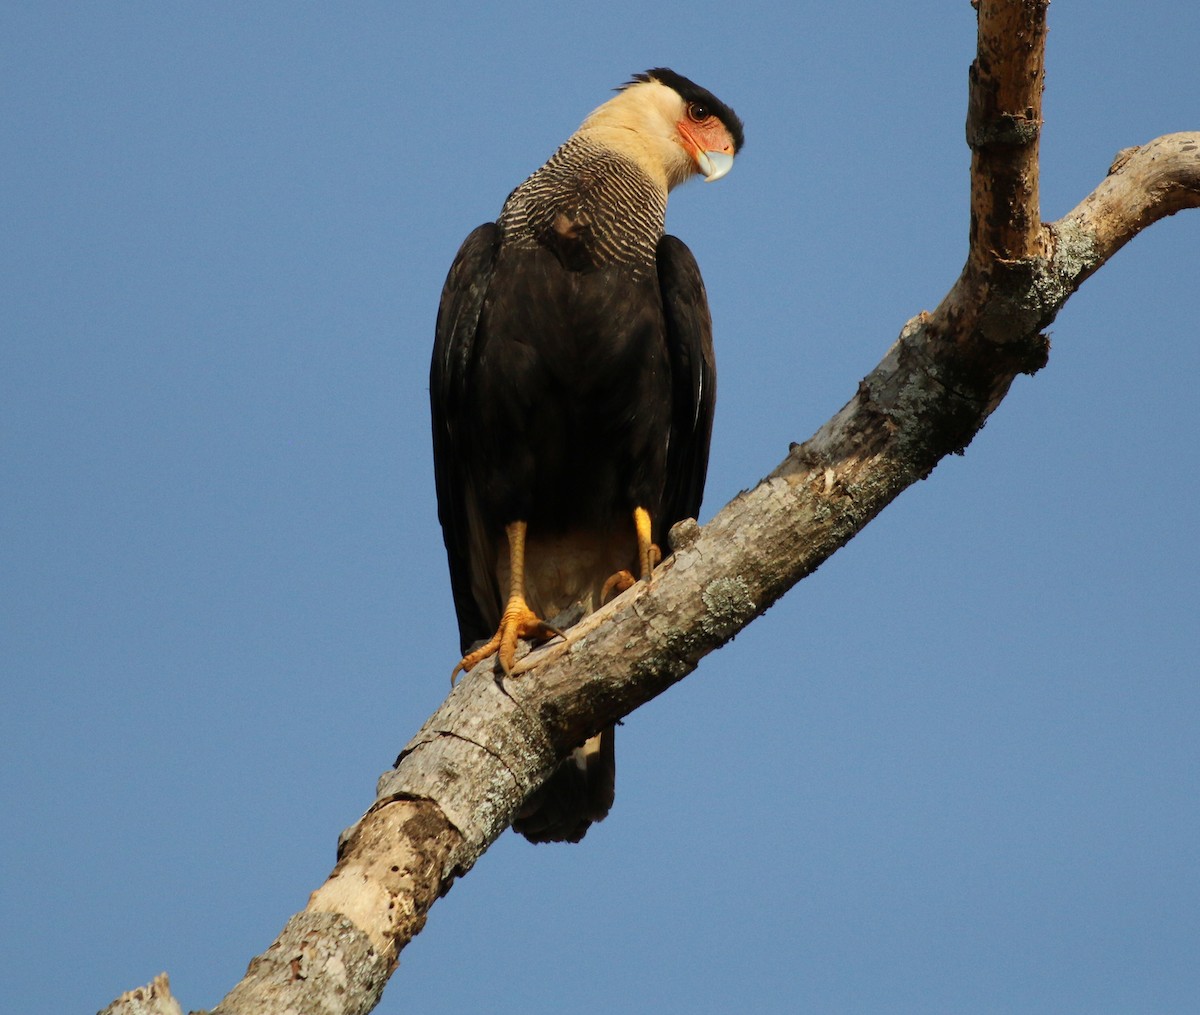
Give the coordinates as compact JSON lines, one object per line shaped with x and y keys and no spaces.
{"x":454,"y":349}
{"x":694,"y":380}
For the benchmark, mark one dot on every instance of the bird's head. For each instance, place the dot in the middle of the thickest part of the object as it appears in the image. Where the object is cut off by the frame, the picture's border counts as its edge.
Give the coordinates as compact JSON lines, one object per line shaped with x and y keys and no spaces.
{"x":670,"y":126}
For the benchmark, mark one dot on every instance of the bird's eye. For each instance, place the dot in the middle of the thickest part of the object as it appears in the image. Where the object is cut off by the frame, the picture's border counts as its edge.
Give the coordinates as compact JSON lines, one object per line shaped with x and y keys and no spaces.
{"x":698,"y":112}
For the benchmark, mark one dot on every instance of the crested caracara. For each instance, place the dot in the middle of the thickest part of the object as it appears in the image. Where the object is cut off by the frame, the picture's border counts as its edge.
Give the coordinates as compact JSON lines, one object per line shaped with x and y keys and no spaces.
{"x":572,"y":390}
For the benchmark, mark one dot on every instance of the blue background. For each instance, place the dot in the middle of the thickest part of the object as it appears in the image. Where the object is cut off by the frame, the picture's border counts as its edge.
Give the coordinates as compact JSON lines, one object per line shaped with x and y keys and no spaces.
{"x":955,"y":770}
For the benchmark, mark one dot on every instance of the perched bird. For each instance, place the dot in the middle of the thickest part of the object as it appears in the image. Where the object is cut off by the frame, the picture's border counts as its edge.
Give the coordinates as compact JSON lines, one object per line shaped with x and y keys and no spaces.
{"x":572,"y":390}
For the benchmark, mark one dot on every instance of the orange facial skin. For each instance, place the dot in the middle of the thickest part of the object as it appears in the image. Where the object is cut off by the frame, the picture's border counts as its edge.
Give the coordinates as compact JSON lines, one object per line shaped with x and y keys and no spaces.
{"x":701,"y":132}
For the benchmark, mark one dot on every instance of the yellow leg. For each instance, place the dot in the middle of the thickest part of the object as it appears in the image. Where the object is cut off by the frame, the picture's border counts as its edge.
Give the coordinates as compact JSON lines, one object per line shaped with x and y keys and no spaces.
{"x":649,"y":557}
{"x":518,"y":620}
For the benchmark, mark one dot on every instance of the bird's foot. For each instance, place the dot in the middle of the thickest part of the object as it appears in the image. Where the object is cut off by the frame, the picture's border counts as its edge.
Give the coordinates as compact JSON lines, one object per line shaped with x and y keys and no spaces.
{"x":617,"y":584}
{"x":651,"y":557}
{"x":518,"y":621}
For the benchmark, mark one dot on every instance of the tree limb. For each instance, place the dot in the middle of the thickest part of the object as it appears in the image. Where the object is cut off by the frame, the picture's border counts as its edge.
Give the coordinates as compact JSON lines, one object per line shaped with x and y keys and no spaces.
{"x":153,"y":999}
{"x":1144,"y":184}
{"x":459,"y":782}
{"x":1004,"y":124}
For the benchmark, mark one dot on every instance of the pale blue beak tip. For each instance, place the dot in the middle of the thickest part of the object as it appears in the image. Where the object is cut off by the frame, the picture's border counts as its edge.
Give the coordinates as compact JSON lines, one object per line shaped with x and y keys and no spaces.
{"x":714,"y":165}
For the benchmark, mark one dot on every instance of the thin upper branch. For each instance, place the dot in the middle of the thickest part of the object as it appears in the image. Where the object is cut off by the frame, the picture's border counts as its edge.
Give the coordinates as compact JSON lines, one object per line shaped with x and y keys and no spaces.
{"x":1004,"y":125}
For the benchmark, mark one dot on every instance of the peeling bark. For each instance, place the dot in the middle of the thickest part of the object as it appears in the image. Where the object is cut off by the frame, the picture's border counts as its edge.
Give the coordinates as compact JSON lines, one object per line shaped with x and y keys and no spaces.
{"x":458,"y":784}
{"x":153,"y":999}
{"x":1004,"y":124}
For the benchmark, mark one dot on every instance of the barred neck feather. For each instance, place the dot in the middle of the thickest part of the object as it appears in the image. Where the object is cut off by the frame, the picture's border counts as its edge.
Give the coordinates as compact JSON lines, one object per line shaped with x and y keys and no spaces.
{"x":592,"y":205}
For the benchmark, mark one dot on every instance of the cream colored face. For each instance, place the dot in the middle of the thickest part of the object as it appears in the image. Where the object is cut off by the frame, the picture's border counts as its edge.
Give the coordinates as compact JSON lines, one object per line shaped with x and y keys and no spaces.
{"x":670,"y":140}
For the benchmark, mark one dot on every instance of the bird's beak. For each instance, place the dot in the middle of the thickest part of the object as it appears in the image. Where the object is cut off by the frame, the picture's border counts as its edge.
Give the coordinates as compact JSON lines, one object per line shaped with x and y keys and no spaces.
{"x":712,"y":151}
{"x":713,"y":165}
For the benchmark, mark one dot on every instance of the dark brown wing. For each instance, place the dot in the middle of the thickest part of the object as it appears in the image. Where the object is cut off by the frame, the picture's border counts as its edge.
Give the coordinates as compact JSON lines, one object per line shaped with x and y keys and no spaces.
{"x":453,"y":352}
{"x":694,"y":381}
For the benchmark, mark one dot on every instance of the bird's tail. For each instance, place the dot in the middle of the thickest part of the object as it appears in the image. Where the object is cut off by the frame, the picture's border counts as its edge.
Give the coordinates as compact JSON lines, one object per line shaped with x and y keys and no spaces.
{"x":566,"y":577}
{"x":578,"y":792}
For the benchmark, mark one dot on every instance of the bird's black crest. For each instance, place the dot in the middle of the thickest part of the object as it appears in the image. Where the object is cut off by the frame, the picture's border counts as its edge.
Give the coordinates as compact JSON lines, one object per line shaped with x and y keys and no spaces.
{"x":689,"y":91}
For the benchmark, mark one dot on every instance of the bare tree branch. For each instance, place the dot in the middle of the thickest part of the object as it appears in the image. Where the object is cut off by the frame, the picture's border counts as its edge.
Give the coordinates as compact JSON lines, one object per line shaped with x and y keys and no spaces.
{"x":1004,"y":123}
{"x":153,"y":999}
{"x":1144,"y":185}
{"x":460,"y":781}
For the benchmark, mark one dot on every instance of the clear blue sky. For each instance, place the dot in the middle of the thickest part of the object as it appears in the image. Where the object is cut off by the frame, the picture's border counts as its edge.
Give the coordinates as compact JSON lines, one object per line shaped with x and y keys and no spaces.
{"x":955,"y":771}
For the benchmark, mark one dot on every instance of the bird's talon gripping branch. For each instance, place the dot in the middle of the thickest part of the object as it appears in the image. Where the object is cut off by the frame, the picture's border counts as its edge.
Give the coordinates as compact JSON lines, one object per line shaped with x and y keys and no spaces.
{"x":649,"y":557}
{"x":518,"y":622}
{"x":650,"y":560}
{"x":617,"y":584}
